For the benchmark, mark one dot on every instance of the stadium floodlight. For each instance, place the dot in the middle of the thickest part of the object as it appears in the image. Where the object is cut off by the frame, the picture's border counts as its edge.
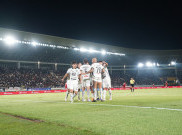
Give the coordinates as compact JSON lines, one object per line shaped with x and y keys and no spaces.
{"x":9,"y":40}
{"x":109,"y":53}
{"x":149,"y":64}
{"x":113,"y":53}
{"x":66,"y":47}
{"x":34,"y":43}
{"x":140,"y":64}
{"x":91,"y":50}
{"x":77,"y":49}
{"x":173,"y":63}
{"x":154,"y":64}
{"x":83,"y":49}
{"x":103,"y":52}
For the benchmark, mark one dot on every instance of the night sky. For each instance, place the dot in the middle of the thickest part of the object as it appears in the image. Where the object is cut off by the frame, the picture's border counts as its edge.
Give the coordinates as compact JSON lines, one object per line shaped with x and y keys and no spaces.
{"x":131,"y":24}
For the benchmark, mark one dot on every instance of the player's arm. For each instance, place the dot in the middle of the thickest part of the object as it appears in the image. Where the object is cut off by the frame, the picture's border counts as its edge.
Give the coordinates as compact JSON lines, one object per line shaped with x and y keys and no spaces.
{"x":80,"y":75}
{"x":88,"y":72}
{"x":81,"y":71}
{"x":66,"y":75}
{"x":105,"y":63}
{"x":103,"y":70}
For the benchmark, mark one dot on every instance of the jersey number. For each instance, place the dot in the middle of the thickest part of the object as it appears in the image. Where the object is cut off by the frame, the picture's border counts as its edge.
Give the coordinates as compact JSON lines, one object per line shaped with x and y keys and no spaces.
{"x":99,"y":70}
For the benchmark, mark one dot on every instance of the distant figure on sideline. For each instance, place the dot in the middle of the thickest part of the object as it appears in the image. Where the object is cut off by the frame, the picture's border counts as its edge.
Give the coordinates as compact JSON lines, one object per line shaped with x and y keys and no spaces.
{"x":132,"y":83}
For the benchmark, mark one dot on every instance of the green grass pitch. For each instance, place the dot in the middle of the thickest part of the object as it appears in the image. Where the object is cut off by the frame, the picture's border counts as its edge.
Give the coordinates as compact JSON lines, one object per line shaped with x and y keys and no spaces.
{"x":144,"y":112}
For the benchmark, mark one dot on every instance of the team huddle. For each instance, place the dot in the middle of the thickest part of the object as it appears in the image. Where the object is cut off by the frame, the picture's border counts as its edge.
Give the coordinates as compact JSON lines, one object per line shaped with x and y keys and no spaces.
{"x":93,"y":78}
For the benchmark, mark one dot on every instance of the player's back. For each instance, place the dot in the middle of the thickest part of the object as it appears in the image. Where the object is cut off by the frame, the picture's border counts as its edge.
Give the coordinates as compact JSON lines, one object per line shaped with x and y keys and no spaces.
{"x":85,"y":68}
{"x":97,"y":69}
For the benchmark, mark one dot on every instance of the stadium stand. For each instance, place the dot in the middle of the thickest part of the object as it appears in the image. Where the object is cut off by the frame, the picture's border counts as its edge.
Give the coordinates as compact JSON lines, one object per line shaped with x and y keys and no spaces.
{"x":28,"y":65}
{"x":29,"y":78}
{"x":44,"y":78}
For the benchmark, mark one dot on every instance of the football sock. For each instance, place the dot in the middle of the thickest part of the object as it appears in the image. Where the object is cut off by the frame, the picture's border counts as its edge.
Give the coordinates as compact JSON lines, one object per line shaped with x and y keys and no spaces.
{"x":67,"y":93}
{"x":83,"y":95}
{"x":74,"y":95}
{"x":104,"y":94}
{"x":95,"y":94}
{"x":88,"y":94}
{"x":101,"y":94}
{"x":79,"y":95}
{"x":92,"y":95}
{"x":71,"y":97}
{"x":110,"y":93}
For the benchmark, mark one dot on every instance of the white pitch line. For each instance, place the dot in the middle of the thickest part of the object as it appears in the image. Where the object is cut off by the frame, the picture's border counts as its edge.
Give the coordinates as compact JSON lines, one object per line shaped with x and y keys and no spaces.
{"x":133,"y":106}
{"x":144,"y":107}
{"x":12,"y":101}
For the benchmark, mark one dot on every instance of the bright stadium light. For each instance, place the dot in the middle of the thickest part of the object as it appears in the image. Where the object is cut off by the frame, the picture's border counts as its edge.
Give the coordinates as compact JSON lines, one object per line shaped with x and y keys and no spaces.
{"x":149,"y":64}
{"x":34,"y":43}
{"x":83,"y":49}
{"x":9,"y":40}
{"x":158,"y":64}
{"x":103,"y":52}
{"x":140,"y":64}
{"x":154,"y":64}
{"x":91,"y":50}
{"x":77,"y":49}
{"x":173,"y":63}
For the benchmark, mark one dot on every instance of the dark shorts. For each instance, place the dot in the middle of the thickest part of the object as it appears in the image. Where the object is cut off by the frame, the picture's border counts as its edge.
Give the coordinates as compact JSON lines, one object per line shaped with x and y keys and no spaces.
{"x":132,"y":85}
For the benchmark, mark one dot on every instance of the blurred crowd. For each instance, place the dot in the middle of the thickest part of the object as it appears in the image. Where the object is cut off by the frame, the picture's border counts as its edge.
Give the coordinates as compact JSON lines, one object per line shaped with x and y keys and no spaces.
{"x":43,"y":78}
{"x":29,"y":78}
{"x":146,"y":77}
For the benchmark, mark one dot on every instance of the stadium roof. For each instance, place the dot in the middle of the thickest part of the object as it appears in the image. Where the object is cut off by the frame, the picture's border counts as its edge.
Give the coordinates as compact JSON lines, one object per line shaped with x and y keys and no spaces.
{"x":72,"y":43}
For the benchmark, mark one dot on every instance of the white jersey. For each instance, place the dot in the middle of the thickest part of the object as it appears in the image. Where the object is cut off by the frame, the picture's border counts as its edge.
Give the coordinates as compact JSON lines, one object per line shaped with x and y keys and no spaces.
{"x":74,"y":73}
{"x":106,"y":82}
{"x":106,"y":73}
{"x":97,"y":69}
{"x":85,"y":68}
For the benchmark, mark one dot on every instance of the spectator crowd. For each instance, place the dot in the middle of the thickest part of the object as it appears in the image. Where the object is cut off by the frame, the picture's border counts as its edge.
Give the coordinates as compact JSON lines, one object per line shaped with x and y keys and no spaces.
{"x":43,"y":78}
{"x":29,"y":78}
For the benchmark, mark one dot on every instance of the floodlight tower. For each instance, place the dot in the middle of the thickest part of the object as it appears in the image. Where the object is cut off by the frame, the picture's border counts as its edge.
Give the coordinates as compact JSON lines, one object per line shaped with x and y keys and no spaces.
{"x":9,"y":40}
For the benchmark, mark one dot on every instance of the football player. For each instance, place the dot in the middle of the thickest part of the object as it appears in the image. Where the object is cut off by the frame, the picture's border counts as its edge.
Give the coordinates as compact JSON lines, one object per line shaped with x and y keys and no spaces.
{"x":74,"y":74}
{"x":106,"y":81}
{"x":85,"y":79}
{"x":96,"y":69}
